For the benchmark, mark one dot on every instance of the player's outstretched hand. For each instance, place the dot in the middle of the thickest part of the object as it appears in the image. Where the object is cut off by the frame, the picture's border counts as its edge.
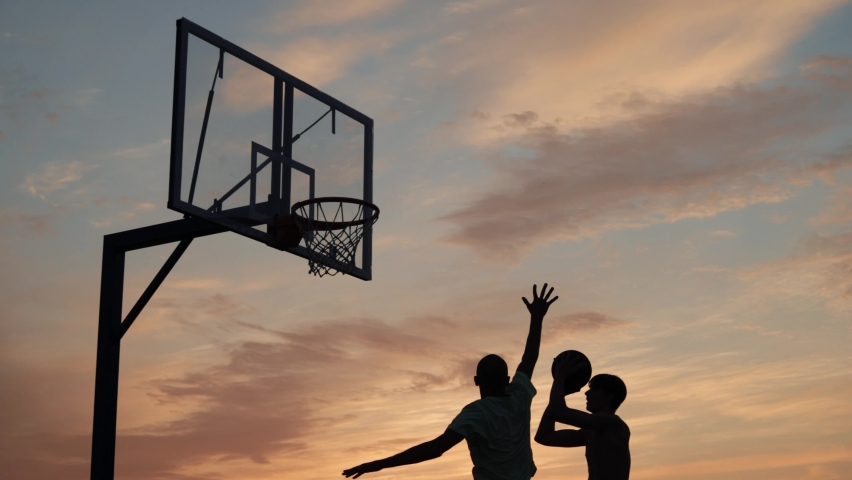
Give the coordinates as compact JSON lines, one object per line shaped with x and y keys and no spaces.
{"x":362,"y":469}
{"x":538,"y":307}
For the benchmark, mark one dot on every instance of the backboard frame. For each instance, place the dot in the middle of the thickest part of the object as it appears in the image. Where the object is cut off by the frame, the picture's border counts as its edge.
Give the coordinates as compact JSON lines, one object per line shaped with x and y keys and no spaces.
{"x":239,"y":220}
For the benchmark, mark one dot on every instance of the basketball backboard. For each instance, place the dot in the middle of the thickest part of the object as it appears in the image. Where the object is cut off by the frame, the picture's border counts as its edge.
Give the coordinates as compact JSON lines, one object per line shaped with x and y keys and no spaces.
{"x":249,"y":141}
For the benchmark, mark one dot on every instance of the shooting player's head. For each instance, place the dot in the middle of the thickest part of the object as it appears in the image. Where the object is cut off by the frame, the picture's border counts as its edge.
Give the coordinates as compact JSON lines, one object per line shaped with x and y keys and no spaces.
{"x":605,"y":393}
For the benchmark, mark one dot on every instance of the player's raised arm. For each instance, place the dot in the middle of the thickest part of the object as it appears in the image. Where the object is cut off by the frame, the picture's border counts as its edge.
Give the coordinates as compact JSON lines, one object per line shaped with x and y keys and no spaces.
{"x":416,"y":454}
{"x":538,"y":309}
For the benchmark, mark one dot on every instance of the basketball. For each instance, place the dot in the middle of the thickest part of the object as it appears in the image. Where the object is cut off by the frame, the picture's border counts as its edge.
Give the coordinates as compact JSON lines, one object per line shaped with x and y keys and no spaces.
{"x":573,"y":383}
{"x":286,"y":231}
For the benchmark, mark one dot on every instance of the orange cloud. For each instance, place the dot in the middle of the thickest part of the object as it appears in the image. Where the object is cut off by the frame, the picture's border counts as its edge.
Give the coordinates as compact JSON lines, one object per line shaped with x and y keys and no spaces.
{"x":559,"y":61}
{"x":694,"y":158}
{"x":748,"y":463}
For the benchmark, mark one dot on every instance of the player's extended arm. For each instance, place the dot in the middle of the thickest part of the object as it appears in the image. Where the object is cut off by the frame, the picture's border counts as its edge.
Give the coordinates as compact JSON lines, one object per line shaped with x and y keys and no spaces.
{"x":538,"y":309}
{"x":549,"y":436}
{"x":416,"y":454}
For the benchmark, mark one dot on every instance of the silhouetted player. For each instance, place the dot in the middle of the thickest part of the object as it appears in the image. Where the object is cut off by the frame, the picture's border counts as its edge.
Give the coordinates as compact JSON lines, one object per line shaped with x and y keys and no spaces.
{"x":603,"y":433}
{"x":497,"y":426}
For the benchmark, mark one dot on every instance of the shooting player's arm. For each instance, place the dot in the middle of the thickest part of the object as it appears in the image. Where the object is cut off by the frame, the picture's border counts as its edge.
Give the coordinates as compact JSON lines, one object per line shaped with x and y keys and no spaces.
{"x":580,"y":419}
{"x":569,"y":416}
{"x":549,"y":436}
{"x":538,"y":309}
{"x":416,"y":454}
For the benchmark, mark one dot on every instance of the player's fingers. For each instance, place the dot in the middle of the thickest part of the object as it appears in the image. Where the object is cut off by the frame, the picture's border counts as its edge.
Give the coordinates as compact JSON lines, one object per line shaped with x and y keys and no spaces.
{"x":535,"y":292}
{"x":543,"y":290}
{"x":526,"y":302}
{"x":554,"y":299}
{"x":549,"y":293}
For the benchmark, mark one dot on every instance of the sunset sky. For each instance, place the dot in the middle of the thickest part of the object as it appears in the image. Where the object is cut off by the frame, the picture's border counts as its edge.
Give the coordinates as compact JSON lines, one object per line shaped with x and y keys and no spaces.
{"x":678,"y":170}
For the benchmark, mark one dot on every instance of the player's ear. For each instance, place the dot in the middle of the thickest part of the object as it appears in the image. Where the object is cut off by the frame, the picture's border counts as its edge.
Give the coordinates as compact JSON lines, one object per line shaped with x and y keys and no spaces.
{"x":508,"y":380}
{"x":476,"y":380}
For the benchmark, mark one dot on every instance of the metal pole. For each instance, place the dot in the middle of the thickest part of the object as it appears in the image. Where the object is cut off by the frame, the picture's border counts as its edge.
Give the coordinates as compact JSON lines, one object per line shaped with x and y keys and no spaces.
{"x":287,"y":147}
{"x":153,"y":286}
{"x":110,"y":327}
{"x":106,"y":369}
{"x":367,"y":251}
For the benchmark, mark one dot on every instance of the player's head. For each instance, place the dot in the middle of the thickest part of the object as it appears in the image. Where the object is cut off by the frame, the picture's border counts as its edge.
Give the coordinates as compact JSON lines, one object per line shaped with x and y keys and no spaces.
{"x":491,"y":372}
{"x":605,"y":393}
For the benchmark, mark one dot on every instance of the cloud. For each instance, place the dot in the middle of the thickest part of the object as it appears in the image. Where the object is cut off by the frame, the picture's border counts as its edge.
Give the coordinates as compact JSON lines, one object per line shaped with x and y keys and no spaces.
{"x":33,"y":224}
{"x":53,"y":177}
{"x":692,"y":158}
{"x":748,"y":463}
{"x":820,"y":270}
{"x":315,"y":60}
{"x":42,"y":408}
{"x":23,"y":98}
{"x":267,"y":396}
{"x":559,"y":61}
{"x":198,"y":284}
{"x":559,"y":328}
{"x":838,"y":210}
{"x":836,"y":71}
{"x":329,"y":13}
{"x":136,"y":208}
{"x":468,"y":6}
{"x":146,"y":150}
{"x":197,"y":311}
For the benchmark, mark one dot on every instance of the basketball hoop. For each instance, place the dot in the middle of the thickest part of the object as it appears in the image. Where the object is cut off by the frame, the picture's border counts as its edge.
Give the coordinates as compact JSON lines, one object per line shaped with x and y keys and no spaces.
{"x":332,"y":228}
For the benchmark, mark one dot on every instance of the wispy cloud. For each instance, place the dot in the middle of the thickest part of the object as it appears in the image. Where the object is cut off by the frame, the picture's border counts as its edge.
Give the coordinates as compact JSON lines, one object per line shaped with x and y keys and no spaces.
{"x":560,"y":61}
{"x":329,"y":13}
{"x":833,"y":70}
{"x":561,"y":327}
{"x":128,"y":209}
{"x":145,"y":151}
{"x":281,"y":393}
{"x":33,"y":224}
{"x":694,"y":158}
{"x":817,"y":271}
{"x":467,"y":6}
{"x":838,"y":210}
{"x":751,"y":463}
{"x":318,"y":61}
{"x":53,"y":177}
{"x":24,"y":98}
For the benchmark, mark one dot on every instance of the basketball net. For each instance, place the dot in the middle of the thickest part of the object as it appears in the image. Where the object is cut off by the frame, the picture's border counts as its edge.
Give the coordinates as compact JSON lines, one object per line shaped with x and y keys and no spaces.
{"x":331,"y":238}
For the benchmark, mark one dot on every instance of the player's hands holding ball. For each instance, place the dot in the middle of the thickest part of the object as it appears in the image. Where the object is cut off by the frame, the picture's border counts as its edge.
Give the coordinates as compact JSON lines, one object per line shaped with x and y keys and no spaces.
{"x":538,"y":307}
{"x":572,"y":370}
{"x":564,"y":368}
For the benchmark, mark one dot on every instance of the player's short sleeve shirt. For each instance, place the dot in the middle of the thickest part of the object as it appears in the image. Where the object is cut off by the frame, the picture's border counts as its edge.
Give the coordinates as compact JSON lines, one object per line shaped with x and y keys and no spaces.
{"x":497,"y":430}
